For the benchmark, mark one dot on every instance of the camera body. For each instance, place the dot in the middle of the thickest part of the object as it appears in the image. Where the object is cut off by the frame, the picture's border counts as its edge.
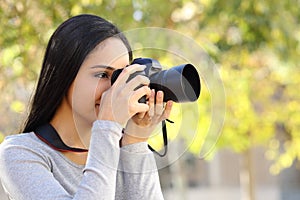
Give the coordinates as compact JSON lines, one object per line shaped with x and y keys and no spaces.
{"x":179,"y":84}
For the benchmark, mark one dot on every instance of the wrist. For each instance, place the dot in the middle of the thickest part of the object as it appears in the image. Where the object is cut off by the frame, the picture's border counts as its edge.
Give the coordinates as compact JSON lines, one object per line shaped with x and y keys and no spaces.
{"x":128,"y":139}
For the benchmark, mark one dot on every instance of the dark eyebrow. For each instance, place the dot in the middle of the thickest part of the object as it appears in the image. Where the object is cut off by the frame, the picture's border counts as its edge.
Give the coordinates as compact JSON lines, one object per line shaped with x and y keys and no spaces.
{"x":104,"y":67}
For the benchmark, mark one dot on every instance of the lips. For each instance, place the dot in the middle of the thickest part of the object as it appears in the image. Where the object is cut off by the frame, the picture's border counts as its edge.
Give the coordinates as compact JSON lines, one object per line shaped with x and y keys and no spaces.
{"x":97,"y":106}
{"x":97,"y":103}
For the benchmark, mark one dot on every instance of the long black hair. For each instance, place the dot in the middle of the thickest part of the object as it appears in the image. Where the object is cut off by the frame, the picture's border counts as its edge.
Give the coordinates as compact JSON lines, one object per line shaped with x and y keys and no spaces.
{"x":72,"y":41}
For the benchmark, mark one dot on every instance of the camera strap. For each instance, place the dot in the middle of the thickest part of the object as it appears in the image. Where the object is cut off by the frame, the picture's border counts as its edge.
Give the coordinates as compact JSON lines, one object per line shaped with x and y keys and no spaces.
{"x":165,"y":138}
{"x":49,"y":135}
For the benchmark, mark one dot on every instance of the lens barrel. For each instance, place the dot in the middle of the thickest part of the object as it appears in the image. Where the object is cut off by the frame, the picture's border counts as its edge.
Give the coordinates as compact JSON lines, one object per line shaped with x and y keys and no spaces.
{"x":180,"y":83}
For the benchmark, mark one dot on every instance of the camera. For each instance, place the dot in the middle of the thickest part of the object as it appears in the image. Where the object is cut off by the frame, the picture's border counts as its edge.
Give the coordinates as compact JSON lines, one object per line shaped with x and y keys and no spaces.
{"x":179,"y":84}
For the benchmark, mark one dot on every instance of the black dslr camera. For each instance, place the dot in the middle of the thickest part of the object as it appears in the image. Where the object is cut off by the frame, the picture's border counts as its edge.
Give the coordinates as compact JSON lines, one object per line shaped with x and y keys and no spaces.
{"x":180,"y":83}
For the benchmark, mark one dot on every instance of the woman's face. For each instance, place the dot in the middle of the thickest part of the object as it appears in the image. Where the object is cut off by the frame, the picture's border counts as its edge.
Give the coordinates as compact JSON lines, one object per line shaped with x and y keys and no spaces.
{"x":94,"y":78}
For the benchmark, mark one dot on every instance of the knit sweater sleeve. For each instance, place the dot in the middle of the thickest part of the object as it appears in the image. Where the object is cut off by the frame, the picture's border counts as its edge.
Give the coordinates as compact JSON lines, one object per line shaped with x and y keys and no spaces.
{"x":137,"y":176}
{"x":26,"y":174}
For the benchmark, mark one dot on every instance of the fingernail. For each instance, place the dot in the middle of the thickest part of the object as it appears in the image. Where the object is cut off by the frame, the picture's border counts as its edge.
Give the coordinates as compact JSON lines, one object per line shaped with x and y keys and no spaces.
{"x":153,"y":92}
{"x":159,"y":93}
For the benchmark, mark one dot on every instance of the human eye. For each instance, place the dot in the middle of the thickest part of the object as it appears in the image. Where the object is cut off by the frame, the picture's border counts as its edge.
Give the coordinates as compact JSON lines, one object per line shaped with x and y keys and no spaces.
{"x":101,"y":75}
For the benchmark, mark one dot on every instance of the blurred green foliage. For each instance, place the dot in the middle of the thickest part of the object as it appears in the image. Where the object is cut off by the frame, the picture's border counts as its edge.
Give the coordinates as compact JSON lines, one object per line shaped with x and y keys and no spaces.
{"x":256,"y":45}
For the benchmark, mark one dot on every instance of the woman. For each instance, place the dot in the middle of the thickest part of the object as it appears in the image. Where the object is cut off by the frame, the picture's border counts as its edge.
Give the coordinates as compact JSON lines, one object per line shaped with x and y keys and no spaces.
{"x":74,"y":97}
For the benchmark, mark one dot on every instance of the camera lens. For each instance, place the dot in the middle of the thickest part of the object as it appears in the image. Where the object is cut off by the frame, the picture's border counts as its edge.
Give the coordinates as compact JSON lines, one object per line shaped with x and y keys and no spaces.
{"x":180,"y":83}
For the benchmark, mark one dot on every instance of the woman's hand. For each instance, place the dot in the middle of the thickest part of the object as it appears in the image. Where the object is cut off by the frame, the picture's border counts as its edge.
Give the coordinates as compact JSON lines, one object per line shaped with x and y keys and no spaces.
{"x":120,"y":102}
{"x":141,"y":125}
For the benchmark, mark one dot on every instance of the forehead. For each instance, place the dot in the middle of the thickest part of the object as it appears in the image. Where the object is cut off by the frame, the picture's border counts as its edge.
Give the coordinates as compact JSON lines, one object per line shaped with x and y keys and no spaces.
{"x":109,"y":51}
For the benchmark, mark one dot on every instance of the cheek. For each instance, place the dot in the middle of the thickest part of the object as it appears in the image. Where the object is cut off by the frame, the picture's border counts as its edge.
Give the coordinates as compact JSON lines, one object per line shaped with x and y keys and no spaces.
{"x":88,"y":93}
{"x":101,"y":87}
{"x":83,"y":93}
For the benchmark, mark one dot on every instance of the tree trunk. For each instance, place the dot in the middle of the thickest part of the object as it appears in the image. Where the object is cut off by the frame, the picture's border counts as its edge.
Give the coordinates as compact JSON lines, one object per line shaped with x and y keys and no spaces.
{"x":247,"y":180}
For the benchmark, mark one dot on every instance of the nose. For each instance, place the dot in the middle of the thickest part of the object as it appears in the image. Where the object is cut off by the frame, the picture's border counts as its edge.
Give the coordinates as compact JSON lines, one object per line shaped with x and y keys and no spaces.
{"x":105,"y":86}
{"x":102,"y":87}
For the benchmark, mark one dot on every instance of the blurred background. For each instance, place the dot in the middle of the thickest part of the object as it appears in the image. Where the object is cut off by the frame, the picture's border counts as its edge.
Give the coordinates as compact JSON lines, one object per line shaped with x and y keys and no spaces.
{"x":255,"y":47}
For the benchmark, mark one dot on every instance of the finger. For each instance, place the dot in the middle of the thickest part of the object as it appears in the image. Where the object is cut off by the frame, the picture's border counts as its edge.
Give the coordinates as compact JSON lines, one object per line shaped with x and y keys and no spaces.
{"x":139,"y":93}
{"x":142,"y":119}
{"x":159,"y":106}
{"x":168,"y":109}
{"x":141,"y":115}
{"x":136,"y":82}
{"x":151,"y":103}
{"x":127,"y":71}
{"x":136,"y":108}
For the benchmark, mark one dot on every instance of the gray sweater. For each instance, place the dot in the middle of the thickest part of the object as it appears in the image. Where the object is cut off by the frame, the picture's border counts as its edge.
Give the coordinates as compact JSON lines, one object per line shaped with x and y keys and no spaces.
{"x":31,"y":170}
